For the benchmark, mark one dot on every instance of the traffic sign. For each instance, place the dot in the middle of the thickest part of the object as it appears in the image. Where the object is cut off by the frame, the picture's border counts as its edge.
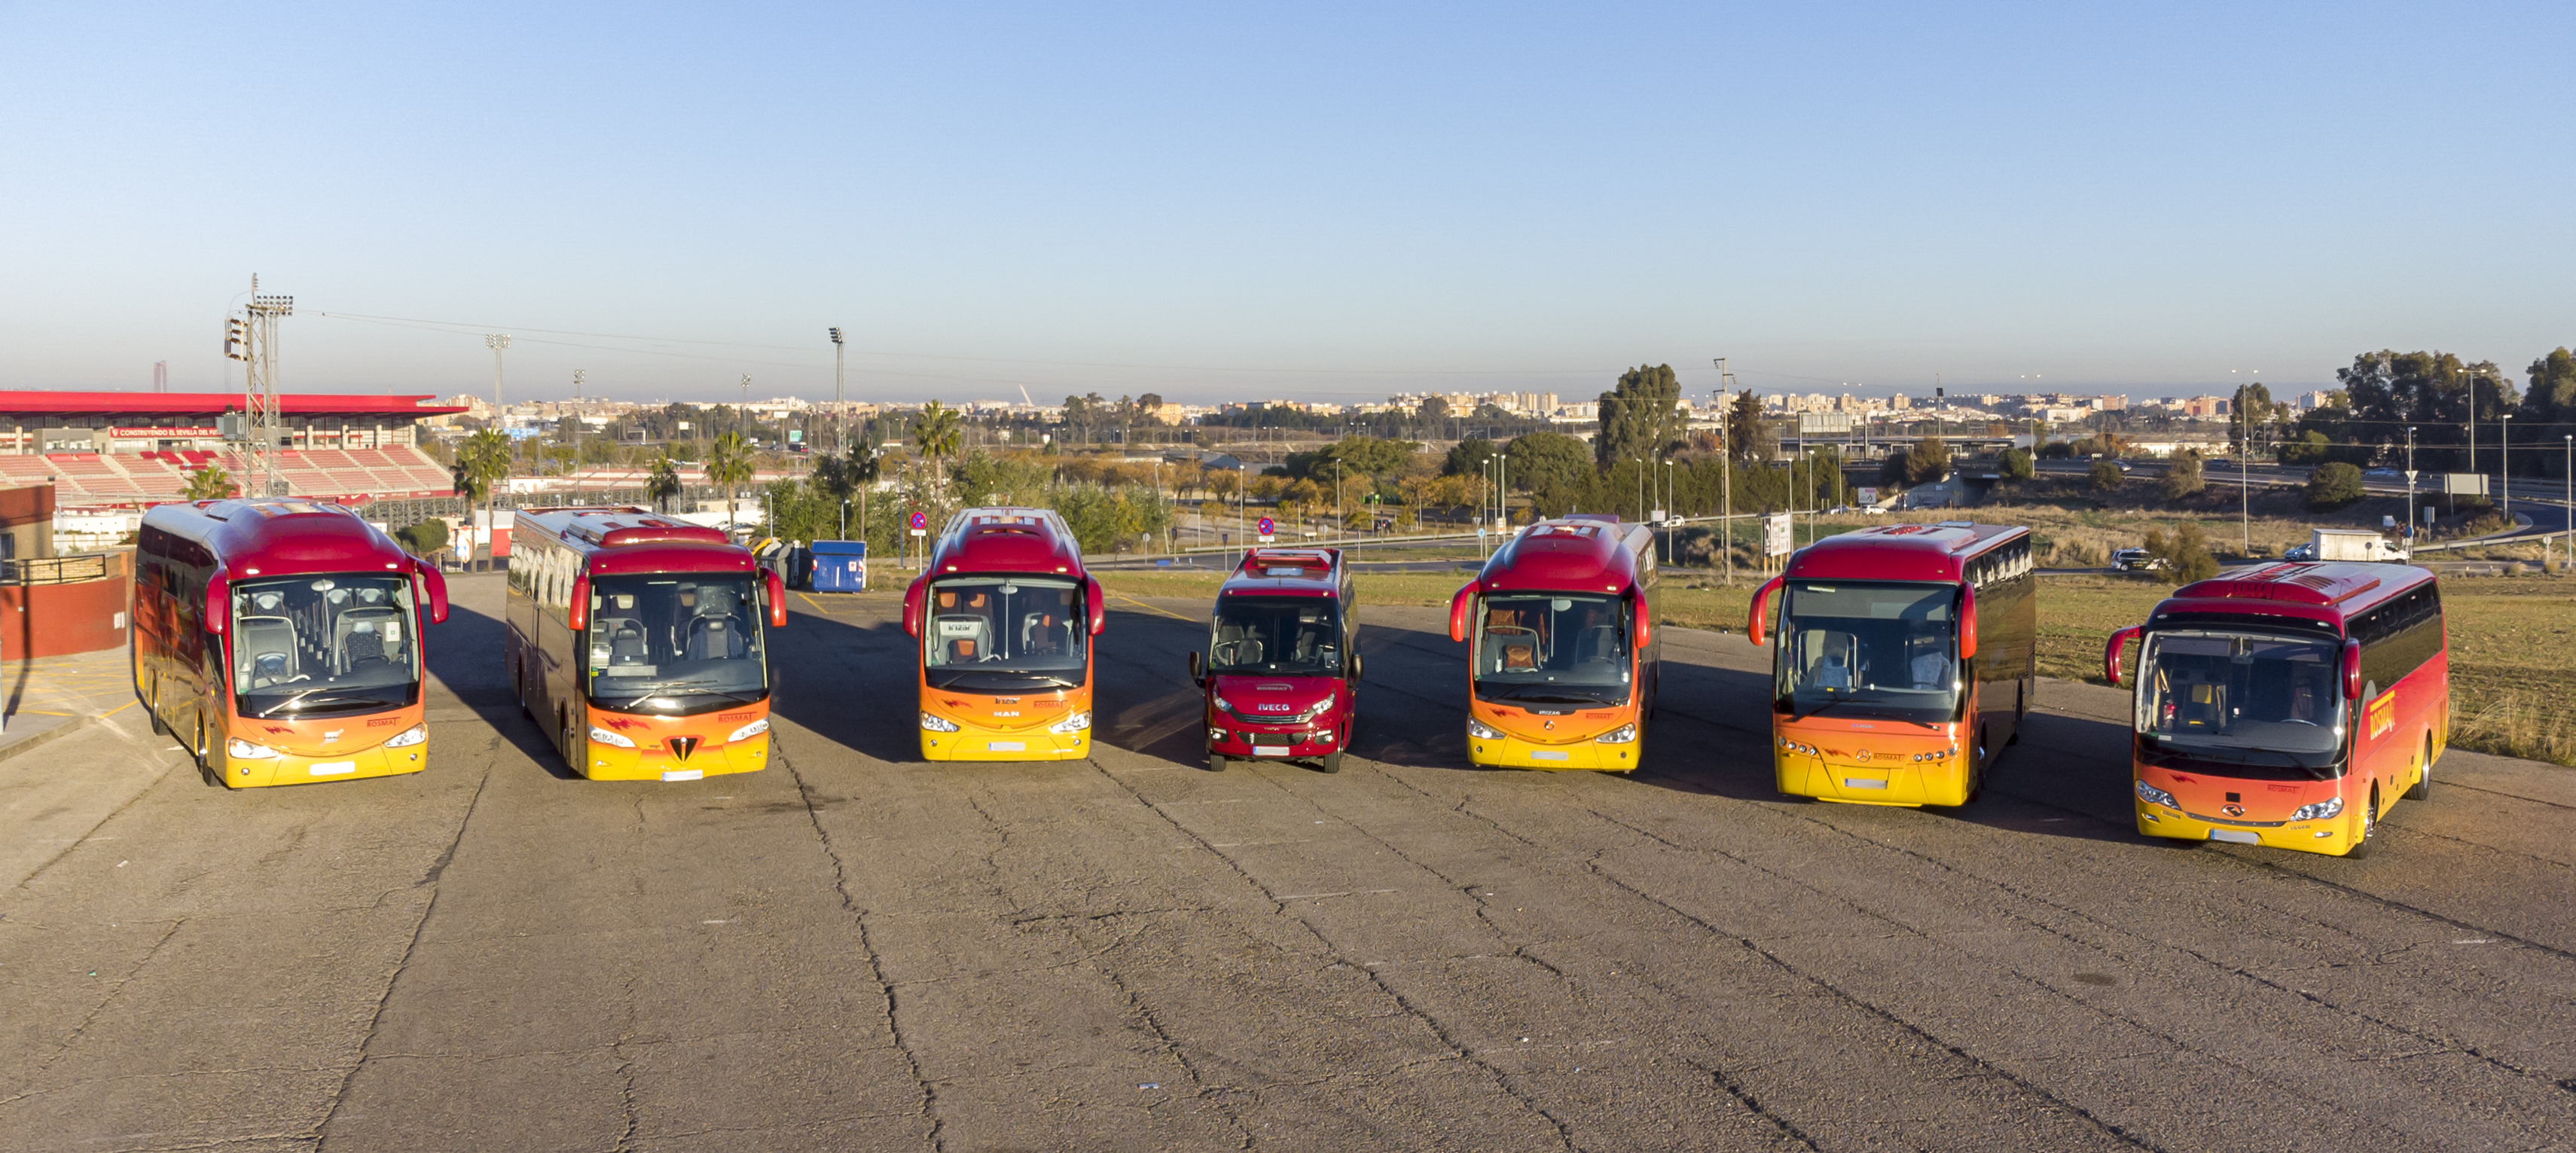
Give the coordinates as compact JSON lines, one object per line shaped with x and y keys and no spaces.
{"x":920,"y":521}
{"x":1266,"y":526}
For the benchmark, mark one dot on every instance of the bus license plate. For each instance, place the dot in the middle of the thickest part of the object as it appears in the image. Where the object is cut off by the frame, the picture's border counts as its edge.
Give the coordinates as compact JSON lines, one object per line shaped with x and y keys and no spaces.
{"x":684,"y":774}
{"x":2236,"y":836}
{"x":1550,"y":755}
{"x":333,"y":768}
{"x":1269,"y":750}
{"x":1008,"y":747}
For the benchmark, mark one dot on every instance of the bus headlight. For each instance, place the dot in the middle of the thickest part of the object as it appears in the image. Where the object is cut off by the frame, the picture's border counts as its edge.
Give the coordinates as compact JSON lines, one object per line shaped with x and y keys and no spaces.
{"x":1937,"y":754}
{"x":1072,"y":724}
{"x":1619,"y":736}
{"x":242,"y":750}
{"x":1795,"y":747}
{"x":600,"y":736}
{"x":1482,"y":731}
{"x":409,"y":737}
{"x":2319,"y":811}
{"x":937,"y":724}
{"x":2155,"y":796}
{"x":749,"y":731}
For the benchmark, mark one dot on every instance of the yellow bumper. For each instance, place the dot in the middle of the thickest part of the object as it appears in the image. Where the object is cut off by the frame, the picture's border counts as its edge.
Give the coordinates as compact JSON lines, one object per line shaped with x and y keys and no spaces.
{"x":290,"y":769}
{"x":1943,"y":782}
{"x":976,"y":743}
{"x":1513,"y":752}
{"x":610,"y":763}
{"x":2333,"y":836}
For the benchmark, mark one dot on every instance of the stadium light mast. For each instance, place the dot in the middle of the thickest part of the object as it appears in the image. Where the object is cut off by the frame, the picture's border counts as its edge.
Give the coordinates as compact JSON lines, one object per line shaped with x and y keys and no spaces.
{"x":499,"y":342}
{"x":257,"y":342}
{"x":840,"y":430}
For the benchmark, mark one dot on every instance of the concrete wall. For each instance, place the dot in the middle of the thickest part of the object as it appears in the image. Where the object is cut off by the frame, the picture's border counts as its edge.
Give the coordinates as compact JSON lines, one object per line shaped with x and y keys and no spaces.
{"x":59,"y":620}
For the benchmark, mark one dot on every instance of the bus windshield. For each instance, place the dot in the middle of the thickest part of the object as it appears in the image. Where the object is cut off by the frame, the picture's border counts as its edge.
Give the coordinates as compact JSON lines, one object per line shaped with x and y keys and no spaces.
{"x":2269,"y":702}
{"x":307,"y":646}
{"x":1553,"y":648}
{"x":1870,"y":650}
{"x":1293,"y":635}
{"x":1004,"y":635}
{"x":675,"y":643}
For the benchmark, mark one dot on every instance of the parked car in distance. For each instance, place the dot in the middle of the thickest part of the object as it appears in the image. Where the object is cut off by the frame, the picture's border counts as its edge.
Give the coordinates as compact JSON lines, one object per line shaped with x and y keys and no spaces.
{"x":2382,"y":473}
{"x":2133,"y":560}
{"x":2300,"y":552}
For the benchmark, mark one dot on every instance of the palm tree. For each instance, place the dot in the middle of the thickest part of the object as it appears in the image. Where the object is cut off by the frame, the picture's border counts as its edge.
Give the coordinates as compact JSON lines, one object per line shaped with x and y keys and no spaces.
{"x":935,"y":434}
{"x":663,"y":483}
{"x":210,"y":483}
{"x":729,"y":464}
{"x":482,"y":461}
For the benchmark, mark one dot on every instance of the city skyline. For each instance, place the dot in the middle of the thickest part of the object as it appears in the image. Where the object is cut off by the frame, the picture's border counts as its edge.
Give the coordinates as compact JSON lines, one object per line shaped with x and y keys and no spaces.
{"x":1335,"y":204}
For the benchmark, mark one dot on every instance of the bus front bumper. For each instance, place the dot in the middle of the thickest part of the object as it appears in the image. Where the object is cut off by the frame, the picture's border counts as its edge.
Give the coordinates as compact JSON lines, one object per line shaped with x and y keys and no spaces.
{"x":658,"y":763}
{"x":2332,"y":836}
{"x":1287,"y":743}
{"x":291,"y":769}
{"x":1513,"y":752}
{"x":975,"y":743}
{"x":1907,"y":783}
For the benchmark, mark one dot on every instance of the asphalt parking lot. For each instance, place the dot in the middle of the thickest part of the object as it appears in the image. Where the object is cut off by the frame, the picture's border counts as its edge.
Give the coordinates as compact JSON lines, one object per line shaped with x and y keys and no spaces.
{"x":858,"y":950}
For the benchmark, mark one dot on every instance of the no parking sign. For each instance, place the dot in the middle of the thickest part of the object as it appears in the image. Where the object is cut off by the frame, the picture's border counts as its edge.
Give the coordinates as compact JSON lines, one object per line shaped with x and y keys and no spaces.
{"x":1265,"y":526}
{"x":920,"y":524}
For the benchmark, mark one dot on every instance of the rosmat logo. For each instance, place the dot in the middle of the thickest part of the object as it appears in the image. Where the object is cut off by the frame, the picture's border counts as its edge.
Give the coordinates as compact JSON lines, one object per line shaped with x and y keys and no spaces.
{"x":625,"y":723}
{"x":2382,"y":713}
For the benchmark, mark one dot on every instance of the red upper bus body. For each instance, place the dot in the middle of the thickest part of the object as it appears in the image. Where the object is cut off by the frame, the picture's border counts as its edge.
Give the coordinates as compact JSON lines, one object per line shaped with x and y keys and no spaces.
{"x":636,"y":640}
{"x":282,"y":639}
{"x":2287,"y":705}
{"x":1005,"y":615}
{"x":1282,"y":672}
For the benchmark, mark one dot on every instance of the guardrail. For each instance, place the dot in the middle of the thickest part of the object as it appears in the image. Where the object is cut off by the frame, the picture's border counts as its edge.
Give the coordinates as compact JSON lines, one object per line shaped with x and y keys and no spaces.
{"x":58,"y":570}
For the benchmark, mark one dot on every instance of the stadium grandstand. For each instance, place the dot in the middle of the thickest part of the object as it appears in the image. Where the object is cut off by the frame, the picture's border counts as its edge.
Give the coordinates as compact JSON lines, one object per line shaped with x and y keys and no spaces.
{"x":130,"y":449}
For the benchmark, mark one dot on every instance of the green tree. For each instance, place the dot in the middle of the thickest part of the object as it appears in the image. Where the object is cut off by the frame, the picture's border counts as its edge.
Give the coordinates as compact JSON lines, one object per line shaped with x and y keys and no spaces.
{"x":2434,"y":393}
{"x":729,"y":464}
{"x":2106,"y":476}
{"x":2251,"y":412}
{"x":1548,"y":463}
{"x":2333,"y":486}
{"x":662,"y":484}
{"x":2184,"y":553}
{"x":1927,"y":461}
{"x":1749,"y":437}
{"x":1432,"y":410}
{"x":210,"y":483}
{"x":2015,"y":465}
{"x":422,"y":538}
{"x":1639,"y":416}
{"x":2552,"y":396}
{"x":482,"y":463}
{"x":2183,"y":478}
{"x":1010,"y":479}
{"x":2309,"y":447}
{"x":935,"y":434}
{"x":1467,"y":457}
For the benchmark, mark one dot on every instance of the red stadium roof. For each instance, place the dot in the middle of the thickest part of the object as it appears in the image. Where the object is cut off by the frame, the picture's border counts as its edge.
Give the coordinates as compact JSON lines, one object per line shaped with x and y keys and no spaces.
{"x":149,"y":403}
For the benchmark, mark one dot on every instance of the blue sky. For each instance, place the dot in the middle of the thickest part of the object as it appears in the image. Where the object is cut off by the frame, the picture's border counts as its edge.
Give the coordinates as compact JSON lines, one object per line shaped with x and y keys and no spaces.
{"x":1330,"y":202}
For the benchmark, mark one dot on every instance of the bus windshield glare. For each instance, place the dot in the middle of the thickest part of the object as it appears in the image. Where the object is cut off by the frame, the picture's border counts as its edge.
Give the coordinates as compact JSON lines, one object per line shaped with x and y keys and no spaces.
{"x":1004,"y":635}
{"x":2243,"y":699}
{"x":1870,"y":650}
{"x":1298,"y":636}
{"x":674,"y":643}
{"x":309,"y":646}
{"x":1553,"y":648}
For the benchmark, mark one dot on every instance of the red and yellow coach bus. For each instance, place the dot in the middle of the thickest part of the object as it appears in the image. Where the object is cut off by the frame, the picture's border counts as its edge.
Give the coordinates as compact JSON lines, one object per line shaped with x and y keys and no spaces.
{"x":1283,"y":666}
{"x":2288,"y":705}
{"x":1564,"y":666}
{"x":1005,"y":615}
{"x":1905,"y":661}
{"x":636,"y":640}
{"x":282,"y":640}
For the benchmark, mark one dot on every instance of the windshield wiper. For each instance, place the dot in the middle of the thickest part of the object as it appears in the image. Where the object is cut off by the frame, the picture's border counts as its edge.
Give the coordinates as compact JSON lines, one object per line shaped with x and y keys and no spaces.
{"x":301,"y":697}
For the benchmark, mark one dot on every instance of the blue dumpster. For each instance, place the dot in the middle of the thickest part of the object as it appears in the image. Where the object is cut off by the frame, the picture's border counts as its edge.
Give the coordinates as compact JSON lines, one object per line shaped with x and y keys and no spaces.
{"x":840,"y":566}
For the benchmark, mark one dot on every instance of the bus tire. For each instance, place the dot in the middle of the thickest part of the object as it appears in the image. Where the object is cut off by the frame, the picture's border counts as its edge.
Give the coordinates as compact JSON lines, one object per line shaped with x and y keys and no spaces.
{"x":575,"y":746}
{"x":152,"y":709}
{"x":2422,"y":789}
{"x":1333,"y":762}
{"x":1216,"y":762}
{"x":2369,"y":828}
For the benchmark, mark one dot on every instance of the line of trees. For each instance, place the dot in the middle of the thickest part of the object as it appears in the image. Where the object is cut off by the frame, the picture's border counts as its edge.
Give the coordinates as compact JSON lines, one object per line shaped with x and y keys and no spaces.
{"x":2437,"y":395}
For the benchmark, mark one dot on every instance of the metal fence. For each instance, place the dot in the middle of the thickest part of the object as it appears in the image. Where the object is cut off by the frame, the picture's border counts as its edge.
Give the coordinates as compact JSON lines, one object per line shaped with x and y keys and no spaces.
{"x":410,"y":511}
{"x":57,"y":570}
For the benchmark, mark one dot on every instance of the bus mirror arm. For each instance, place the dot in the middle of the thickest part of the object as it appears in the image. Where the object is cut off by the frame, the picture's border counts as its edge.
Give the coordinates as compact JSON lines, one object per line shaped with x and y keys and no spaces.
{"x":776,"y":587}
{"x":1761,"y":611}
{"x":434,"y":583}
{"x":2114,"y":651}
{"x":1967,"y":623}
{"x":1459,"y":604}
{"x":577,"y":616}
{"x":219,"y":602}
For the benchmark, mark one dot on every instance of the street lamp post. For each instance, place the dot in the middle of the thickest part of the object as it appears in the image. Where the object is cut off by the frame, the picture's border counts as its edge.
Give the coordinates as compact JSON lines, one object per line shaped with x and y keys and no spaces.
{"x":2568,"y":473}
{"x":2504,"y":464}
{"x":839,"y":431}
{"x":2410,"y":483}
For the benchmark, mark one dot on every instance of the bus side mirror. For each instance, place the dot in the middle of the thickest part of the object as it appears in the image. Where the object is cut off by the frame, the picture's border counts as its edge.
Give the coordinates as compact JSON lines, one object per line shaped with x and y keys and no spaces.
{"x":1761,"y":611}
{"x":1355,"y":666}
{"x":1967,"y":623}
{"x":777,"y":589}
{"x":219,"y":602}
{"x":1099,"y":605}
{"x":1459,"y":604}
{"x":1645,"y":615}
{"x":1195,"y":678}
{"x":2352,"y":670}
{"x":912,"y":604}
{"x":434,"y":583}
{"x":2117,"y":648}
{"x":579,"y":615}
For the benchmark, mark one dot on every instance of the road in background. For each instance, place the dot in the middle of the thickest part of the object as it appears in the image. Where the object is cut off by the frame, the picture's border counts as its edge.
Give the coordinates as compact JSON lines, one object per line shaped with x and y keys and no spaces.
{"x":858,"y":950}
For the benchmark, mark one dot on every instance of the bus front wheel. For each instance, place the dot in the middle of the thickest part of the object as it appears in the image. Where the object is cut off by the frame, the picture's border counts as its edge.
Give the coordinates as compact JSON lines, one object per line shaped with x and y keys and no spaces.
{"x":576,"y":749}
{"x":1216,"y":762}
{"x":1333,"y":762}
{"x":2369,"y":828}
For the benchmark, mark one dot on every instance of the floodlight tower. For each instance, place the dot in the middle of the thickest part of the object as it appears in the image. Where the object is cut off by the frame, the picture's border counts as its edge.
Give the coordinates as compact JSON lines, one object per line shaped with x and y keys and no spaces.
{"x":260,"y":416}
